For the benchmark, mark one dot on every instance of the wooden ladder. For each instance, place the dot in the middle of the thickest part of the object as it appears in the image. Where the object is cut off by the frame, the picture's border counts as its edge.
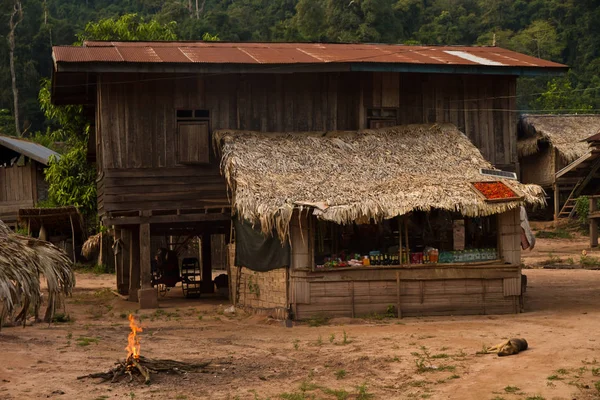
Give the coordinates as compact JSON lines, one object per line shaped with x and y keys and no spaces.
{"x":568,"y":209}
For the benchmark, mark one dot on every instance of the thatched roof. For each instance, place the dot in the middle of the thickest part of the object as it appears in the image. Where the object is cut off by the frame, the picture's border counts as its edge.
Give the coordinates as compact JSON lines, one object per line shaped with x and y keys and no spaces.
{"x":564,"y":132}
{"x":22,"y":261}
{"x":354,"y":176}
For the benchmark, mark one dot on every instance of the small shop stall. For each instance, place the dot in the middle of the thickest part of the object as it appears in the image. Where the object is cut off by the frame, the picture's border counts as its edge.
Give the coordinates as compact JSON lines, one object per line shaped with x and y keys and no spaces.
{"x":409,"y":218}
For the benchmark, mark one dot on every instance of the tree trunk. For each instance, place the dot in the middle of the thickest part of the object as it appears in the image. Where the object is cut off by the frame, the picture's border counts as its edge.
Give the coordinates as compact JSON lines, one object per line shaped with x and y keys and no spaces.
{"x":190,"y":9}
{"x":18,"y":14}
{"x":201,"y":10}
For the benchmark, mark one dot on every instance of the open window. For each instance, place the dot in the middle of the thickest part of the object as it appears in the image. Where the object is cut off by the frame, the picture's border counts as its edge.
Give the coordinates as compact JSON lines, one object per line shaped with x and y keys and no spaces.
{"x":193,"y":135}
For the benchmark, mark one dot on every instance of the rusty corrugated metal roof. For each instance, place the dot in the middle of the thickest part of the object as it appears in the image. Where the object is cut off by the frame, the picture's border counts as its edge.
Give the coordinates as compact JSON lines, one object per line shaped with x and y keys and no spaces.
{"x":293,"y":53}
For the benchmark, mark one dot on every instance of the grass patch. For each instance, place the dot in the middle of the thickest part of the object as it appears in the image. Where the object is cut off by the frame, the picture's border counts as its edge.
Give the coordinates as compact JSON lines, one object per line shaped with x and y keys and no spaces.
{"x":340,"y":374}
{"x":318,"y":320}
{"x":552,"y":260}
{"x":306,"y":388}
{"x":97,"y":269}
{"x":511,"y":389}
{"x":363,"y":393}
{"x":554,"y":378}
{"x":555,"y":234}
{"x":588,"y":261}
{"x":62,"y":318}
{"x":536,"y":397}
{"x":424,"y":364}
{"x":597,"y":386}
{"x":86,"y":341}
{"x":441,"y":355}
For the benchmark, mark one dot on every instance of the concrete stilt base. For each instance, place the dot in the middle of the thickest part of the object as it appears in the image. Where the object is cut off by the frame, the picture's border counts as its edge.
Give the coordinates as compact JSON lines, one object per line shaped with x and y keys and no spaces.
{"x":148,"y":298}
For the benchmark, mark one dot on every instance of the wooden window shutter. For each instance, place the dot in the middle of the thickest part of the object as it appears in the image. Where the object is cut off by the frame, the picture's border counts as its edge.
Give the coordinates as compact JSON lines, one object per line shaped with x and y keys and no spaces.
{"x":194,"y":143}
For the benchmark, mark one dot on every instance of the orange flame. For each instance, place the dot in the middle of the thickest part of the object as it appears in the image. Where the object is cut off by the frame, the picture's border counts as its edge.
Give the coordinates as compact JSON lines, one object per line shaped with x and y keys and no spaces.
{"x":133,"y":341}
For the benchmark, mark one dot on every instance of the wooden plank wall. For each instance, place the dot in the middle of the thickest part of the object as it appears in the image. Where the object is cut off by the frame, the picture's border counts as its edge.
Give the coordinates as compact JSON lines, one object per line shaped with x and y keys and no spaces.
{"x":136,"y":115}
{"x":417,"y":298}
{"x":17,"y":190}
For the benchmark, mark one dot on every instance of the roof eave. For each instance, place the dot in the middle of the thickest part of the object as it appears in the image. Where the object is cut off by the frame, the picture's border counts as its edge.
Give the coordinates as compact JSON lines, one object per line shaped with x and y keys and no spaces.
{"x":27,"y":153}
{"x":106,"y":67}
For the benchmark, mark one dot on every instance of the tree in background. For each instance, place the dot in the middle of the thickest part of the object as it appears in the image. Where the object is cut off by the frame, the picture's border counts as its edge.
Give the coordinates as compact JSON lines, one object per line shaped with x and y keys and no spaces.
{"x":127,"y":28}
{"x":15,"y":19}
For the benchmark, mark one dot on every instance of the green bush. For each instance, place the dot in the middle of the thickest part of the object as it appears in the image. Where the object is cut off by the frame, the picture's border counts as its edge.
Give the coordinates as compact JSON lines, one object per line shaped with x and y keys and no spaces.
{"x":582,"y":208}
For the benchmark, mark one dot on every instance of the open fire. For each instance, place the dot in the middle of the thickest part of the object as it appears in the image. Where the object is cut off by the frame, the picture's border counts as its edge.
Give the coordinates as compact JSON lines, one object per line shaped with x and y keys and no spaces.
{"x":137,"y":365}
{"x":133,"y":341}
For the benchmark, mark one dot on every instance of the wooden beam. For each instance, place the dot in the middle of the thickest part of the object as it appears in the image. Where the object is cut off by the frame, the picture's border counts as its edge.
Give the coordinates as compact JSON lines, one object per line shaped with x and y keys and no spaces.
{"x":118,"y":259}
{"x":398,"y":303}
{"x":207,"y":285}
{"x":593,"y":224}
{"x":145,"y":257}
{"x":556,"y":202}
{"x":73,"y":238}
{"x":166,"y":219}
{"x":134,"y":264}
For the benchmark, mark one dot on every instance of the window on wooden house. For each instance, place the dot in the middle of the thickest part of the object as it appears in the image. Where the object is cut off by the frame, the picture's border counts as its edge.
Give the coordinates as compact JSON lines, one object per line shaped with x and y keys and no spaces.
{"x":193,"y":136}
{"x":381,"y":117}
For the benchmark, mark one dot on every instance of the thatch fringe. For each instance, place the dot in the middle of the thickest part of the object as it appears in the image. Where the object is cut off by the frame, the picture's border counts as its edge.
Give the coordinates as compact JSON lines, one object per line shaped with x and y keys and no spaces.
{"x":350,"y":177}
{"x":22,"y":261}
{"x":91,"y":245}
{"x":564,"y":132}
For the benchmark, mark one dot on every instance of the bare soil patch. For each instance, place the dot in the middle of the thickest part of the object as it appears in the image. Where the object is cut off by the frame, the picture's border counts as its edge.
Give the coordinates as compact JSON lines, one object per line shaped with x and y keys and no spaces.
{"x":376,"y":358}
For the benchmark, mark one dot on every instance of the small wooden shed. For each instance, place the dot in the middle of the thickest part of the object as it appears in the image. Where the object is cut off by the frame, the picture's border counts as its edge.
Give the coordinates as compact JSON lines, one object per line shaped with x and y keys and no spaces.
{"x":546,"y":145}
{"x":399,"y":195}
{"x":62,"y":226}
{"x":22,"y":183}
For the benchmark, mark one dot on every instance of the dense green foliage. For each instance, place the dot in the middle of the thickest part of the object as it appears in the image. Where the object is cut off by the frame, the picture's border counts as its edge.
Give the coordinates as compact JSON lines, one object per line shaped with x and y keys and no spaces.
{"x":560,"y":30}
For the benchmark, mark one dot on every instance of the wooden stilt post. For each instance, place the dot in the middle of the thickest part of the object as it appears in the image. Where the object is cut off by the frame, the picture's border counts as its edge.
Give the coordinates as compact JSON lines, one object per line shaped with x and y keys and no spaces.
{"x":134,"y":264}
{"x":148,"y":296}
{"x":406,"y":239}
{"x":125,"y":257}
{"x":119,"y":267}
{"x":400,"y":240}
{"x":145,"y":258}
{"x":207,"y":285}
{"x":593,"y":223}
{"x":556,"y":202}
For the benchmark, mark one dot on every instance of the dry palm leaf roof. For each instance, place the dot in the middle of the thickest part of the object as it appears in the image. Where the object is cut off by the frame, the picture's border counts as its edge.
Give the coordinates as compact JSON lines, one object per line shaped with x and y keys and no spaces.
{"x":22,"y":261}
{"x":354,"y":176}
{"x":564,"y":132}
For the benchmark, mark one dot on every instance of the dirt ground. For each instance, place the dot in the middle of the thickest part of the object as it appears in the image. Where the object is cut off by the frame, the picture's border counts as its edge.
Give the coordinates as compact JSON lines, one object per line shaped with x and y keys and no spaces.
{"x":375,"y":358}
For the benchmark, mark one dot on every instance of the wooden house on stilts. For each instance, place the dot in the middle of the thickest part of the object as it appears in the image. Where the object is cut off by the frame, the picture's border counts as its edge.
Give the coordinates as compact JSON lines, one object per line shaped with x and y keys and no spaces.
{"x":324,"y":158}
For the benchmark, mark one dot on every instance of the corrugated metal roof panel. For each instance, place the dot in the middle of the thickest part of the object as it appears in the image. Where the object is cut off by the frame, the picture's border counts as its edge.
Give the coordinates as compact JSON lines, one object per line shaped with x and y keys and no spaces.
{"x":294,"y":53}
{"x":32,"y":150}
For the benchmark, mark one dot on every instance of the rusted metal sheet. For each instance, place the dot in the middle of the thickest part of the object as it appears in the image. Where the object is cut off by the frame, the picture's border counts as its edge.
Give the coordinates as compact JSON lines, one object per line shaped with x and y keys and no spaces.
{"x":293,"y":53}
